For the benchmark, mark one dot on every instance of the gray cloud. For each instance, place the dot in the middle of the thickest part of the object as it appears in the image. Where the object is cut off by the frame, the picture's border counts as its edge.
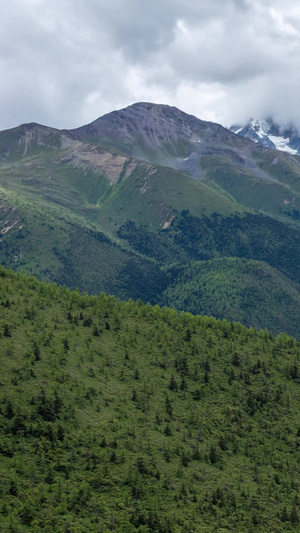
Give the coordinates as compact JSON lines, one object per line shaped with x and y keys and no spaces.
{"x":64,"y":63}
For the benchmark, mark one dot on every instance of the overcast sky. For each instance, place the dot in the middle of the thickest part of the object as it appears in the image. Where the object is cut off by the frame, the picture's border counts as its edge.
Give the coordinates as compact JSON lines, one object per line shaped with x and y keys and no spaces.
{"x":64,"y":63}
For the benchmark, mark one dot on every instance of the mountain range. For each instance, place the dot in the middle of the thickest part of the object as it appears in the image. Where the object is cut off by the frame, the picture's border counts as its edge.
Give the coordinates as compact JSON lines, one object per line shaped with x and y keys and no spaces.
{"x":150,"y":202}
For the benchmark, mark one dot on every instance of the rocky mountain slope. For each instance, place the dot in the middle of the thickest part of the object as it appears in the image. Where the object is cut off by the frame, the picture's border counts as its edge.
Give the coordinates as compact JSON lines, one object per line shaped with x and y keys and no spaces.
{"x":164,"y":135}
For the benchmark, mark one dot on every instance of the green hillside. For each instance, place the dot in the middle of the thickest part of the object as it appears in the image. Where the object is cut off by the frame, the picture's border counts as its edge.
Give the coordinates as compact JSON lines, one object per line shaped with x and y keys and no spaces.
{"x":236,"y":289}
{"x":59,"y":246}
{"x":272,"y":188}
{"x":125,"y":204}
{"x":250,"y":236}
{"x":220,"y":266}
{"x":119,"y":416}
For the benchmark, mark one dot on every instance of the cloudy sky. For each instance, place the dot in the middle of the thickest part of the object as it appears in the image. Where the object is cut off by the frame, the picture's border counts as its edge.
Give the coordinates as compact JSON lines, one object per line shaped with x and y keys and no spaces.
{"x":66,"y":62}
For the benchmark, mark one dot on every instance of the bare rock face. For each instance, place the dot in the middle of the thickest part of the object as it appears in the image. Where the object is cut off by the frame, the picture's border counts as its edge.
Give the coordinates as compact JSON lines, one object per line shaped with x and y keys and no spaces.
{"x":89,"y":158}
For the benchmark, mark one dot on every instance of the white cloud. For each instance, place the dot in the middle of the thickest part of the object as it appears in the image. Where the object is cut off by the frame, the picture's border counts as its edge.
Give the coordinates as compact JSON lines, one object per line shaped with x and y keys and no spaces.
{"x":64,"y":63}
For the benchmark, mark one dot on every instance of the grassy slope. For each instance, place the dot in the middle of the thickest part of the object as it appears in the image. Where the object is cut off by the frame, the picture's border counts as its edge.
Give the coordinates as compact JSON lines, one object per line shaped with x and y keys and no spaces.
{"x":277,"y":196}
{"x":153,"y":196}
{"x":55,"y":209}
{"x":123,"y":417}
{"x":282,"y":167}
{"x":58,"y":245}
{"x":150,"y":193}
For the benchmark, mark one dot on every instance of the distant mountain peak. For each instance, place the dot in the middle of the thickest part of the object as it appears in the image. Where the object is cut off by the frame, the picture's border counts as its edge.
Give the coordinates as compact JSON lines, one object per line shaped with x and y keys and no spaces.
{"x":155,"y":133}
{"x":270,"y":134}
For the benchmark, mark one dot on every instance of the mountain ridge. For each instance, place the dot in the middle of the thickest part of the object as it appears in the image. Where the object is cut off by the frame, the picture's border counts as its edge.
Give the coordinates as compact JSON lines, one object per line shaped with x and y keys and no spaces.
{"x":161,"y":134}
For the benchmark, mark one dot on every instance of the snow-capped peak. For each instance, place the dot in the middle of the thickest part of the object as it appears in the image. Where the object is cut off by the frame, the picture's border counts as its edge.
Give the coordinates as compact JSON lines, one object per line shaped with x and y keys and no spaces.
{"x":271,"y":135}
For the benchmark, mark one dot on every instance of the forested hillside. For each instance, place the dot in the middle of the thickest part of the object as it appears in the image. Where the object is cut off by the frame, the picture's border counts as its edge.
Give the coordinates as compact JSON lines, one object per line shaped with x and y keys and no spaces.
{"x":120,"y":416}
{"x":221,"y":266}
{"x":239,"y":289}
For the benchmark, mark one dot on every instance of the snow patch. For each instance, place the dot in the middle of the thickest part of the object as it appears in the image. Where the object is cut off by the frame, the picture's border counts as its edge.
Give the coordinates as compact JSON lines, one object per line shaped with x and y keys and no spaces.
{"x":281,"y":143}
